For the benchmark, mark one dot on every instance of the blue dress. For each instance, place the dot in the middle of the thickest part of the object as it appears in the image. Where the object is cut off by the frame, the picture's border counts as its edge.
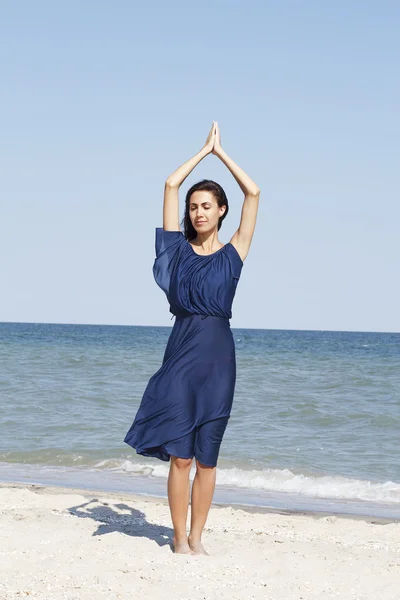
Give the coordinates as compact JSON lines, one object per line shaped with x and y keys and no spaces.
{"x":187,"y":403}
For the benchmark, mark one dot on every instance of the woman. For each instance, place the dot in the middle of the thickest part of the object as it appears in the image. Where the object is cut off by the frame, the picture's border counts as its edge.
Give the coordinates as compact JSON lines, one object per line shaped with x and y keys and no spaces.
{"x":187,"y":402}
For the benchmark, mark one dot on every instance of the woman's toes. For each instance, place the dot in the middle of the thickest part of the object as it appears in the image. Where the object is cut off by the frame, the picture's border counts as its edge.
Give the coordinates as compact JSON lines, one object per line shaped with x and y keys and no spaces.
{"x":197,"y":547}
{"x":181,"y":547}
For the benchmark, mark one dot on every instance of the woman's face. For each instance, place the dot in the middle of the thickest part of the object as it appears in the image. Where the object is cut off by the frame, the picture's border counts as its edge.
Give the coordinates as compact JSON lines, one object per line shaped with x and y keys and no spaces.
{"x":204,"y":211}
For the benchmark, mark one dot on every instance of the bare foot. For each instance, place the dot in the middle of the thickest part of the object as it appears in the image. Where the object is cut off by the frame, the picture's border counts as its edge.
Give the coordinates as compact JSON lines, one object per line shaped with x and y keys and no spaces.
{"x":197,"y":546}
{"x":181,"y":547}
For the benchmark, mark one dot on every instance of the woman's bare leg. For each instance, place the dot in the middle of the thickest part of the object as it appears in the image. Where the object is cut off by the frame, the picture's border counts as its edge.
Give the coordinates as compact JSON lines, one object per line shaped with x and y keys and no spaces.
{"x":178,"y":497}
{"x":202,"y":494}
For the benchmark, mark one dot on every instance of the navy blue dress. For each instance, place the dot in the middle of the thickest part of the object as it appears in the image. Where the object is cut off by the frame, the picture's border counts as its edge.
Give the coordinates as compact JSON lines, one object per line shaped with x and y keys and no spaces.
{"x":187,"y":403}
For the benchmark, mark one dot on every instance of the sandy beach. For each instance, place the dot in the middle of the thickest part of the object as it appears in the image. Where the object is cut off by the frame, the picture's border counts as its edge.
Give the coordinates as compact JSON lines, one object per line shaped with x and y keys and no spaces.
{"x":69,"y":544}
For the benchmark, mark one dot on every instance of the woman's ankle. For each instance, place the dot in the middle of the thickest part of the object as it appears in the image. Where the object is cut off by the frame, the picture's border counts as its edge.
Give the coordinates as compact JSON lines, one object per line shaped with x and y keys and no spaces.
{"x":181,"y":538}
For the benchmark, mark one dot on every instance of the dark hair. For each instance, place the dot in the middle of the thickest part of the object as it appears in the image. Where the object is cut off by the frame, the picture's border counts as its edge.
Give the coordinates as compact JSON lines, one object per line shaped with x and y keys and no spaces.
{"x":208,"y":186}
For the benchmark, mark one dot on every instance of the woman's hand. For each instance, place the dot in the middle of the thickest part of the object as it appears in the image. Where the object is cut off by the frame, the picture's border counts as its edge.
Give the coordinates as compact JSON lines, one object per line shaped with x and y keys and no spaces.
{"x":209,"y":145}
{"x":217,"y":141}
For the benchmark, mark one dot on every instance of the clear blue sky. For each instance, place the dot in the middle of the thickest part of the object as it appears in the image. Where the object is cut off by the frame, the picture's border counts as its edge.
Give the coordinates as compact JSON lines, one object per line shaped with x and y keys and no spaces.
{"x":101,"y":101}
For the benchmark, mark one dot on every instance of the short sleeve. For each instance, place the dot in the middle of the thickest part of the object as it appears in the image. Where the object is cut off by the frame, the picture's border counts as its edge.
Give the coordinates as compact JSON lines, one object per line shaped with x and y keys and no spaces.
{"x":167,"y":240}
{"x":235,"y":261}
{"x":167,"y":246}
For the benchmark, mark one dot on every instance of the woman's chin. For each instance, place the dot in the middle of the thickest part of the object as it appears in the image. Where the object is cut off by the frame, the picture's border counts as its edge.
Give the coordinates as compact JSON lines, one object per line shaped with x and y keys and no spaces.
{"x":201,"y":227}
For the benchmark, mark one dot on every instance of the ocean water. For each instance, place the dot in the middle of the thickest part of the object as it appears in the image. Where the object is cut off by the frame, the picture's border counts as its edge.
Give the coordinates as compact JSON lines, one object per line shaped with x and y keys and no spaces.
{"x":315,"y":423}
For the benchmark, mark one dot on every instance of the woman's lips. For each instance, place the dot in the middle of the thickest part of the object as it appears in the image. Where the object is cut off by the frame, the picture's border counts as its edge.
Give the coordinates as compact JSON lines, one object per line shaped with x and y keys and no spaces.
{"x":200,"y":222}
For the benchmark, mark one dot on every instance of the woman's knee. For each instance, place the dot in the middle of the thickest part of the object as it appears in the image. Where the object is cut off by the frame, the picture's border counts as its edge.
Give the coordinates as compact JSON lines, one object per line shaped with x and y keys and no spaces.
{"x":181,"y":463}
{"x":202,"y":467}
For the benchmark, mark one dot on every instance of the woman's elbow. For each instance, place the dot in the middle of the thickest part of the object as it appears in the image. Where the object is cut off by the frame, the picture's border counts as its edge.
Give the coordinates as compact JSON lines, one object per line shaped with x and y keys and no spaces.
{"x":253,"y":192}
{"x":170,"y":183}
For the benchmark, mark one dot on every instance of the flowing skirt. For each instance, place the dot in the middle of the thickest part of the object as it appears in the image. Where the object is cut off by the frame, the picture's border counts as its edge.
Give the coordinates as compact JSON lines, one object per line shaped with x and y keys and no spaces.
{"x":187,"y":403}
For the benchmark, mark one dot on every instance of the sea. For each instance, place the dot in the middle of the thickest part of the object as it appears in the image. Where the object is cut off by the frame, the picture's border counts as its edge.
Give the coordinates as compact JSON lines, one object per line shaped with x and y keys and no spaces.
{"x":315,"y":423}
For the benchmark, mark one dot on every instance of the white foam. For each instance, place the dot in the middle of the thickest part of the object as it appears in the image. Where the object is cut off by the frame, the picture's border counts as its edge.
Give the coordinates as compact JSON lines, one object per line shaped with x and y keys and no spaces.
{"x":276,"y":480}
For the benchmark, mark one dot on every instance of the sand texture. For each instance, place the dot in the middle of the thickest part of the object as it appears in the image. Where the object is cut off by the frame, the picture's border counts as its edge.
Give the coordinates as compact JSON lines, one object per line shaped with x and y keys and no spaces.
{"x":60,"y":543}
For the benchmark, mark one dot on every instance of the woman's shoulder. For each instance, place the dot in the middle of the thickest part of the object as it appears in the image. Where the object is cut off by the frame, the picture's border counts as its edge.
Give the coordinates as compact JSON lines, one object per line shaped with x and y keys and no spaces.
{"x":166,"y":239}
{"x":234,"y":253}
{"x":234,"y":259}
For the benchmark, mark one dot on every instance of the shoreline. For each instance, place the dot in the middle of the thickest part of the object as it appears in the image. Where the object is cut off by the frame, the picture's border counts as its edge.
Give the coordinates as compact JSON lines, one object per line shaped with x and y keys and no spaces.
{"x":251,"y":509}
{"x":64,"y":543}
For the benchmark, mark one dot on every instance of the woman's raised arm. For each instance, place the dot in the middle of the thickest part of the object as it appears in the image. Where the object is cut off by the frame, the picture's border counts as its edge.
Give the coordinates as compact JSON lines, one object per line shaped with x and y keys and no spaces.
{"x":241,"y":239}
{"x":174,"y":181}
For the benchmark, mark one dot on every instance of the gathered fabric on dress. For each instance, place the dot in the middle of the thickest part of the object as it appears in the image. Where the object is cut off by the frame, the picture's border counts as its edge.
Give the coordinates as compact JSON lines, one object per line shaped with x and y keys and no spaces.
{"x":187,"y":402}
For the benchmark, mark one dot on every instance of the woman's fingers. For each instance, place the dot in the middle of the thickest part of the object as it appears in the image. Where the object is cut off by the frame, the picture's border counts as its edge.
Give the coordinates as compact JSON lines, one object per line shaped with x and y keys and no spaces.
{"x":211,"y":134}
{"x":211,"y":137}
{"x":217,"y":140}
{"x":217,"y":133}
